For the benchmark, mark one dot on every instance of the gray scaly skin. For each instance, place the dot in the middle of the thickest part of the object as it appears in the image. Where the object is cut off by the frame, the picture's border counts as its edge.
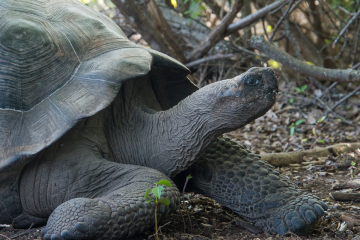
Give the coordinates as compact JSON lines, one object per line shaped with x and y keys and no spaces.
{"x":86,"y":184}
{"x":233,"y":176}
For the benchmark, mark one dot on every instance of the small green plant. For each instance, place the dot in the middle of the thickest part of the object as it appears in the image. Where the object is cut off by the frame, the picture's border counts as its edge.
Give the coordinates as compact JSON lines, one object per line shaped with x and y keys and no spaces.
{"x":352,"y":168}
{"x":293,"y":126}
{"x":314,"y":130}
{"x":183,"y":204}
{"x":196,"y":8}
{"x":301,"y":89}
{"x":158,"y":200}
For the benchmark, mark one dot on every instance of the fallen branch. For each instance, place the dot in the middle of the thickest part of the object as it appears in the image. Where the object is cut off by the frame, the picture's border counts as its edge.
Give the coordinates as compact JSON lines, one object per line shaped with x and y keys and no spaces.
{"x":353,"y":184}
{"x":284,"y":159}
{"x":344,"y":197}
{"x":339,"y":75}
{"x":248,"y":226}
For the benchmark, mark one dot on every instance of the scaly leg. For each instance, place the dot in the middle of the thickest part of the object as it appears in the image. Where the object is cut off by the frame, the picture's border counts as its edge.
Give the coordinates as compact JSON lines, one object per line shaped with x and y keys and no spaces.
{"x":254,"y":189}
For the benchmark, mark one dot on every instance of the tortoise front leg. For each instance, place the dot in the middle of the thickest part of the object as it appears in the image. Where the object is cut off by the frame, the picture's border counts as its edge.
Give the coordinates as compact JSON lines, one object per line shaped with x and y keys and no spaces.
{"x":120,"y":214}
{"x":91,"y":198}
{"x":254,"y":189}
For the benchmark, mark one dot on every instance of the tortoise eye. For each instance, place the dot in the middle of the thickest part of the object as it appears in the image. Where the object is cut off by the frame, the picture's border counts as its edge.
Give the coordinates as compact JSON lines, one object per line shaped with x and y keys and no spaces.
{"x":252,"y":81}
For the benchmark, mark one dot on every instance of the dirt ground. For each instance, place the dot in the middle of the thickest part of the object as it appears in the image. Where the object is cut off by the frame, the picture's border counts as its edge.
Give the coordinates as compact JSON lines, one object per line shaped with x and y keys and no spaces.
{"x":272,"y":133}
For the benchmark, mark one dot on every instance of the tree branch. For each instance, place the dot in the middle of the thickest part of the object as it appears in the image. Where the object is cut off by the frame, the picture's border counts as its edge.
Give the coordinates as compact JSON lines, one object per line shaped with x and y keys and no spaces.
{"x":148,"y":19}
{"x":339,"y":75}
{"x":246,"y":21}
{"x":211,"y":58}
{"x":218,"y":33}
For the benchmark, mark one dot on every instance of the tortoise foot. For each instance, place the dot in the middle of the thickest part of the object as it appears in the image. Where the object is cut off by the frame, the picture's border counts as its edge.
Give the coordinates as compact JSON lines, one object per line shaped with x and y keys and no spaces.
{"x":296,"y":216}
{"x":79,"y":218}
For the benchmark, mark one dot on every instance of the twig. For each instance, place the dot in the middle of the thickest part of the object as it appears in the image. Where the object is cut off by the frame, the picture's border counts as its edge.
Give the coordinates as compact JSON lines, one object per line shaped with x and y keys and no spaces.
{"x":29,"y":230}
{"x":281,"y":19}
{"x":340,"y":75}
{"x":328,"y":89}
{"x":343,"y":46}
{"x":216,"y":34}
{"x":249,"y":19}
{"x":344,"y":98}
{"x":324,"y":4}
{"x":356,"y":66}
{"x":329,"y":17}
{"x":346,"y":27}
{"x":5,"y":236}
{"x":206,"y":59}
{"x":356,"y":43}
{"x":292,"y":41}
{"x":160,"y":230}
{"x":264,"y":28}
{"x":238,"y":48}
{"x":335,"y":114}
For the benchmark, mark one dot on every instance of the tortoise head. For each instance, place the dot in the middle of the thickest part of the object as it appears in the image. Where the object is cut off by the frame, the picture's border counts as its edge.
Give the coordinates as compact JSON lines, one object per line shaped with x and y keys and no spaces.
{"x":244,"y":98}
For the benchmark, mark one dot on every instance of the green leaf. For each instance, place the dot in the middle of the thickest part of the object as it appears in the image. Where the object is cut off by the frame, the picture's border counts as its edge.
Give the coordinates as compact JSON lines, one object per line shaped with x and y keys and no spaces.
{"x":321,"y":141}
{"x":291,"y":100}
{"x":147,"y":201}
{"x":298,"y":122}
{"x":147,"y":193}
{"x":157,"y":191}
{"x":186,"y":1}
{"x":164,"y":182}
{"x":304,"y":140}
{"x":303,"y":88}
{"x":164,"y":201}
{"x":189,"y":176}
{"x":321,"y":119}
{"x":313,"y":131}
{"x":297,"y":90}
{"x":353,"y":163}
{"x":292,"y":131}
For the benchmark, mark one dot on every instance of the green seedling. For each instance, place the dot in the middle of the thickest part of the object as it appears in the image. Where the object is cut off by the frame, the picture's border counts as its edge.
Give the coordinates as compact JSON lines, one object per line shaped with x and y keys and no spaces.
{"x":314,"y":129}
{"x":158,"y":200}
{"x":352,"y":168}
{"x":183,"y":204}
{"x":293,"y":126}
{"x":301,"y":89}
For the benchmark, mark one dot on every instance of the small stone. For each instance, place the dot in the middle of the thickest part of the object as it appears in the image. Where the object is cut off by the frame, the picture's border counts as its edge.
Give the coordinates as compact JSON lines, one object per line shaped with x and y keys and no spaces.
{"x":340,"y":235}
{"x":322,"y":174}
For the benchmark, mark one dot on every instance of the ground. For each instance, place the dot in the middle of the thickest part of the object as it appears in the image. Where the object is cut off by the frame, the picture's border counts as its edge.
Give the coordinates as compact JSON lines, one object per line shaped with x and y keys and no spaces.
{"x":272,"y":133}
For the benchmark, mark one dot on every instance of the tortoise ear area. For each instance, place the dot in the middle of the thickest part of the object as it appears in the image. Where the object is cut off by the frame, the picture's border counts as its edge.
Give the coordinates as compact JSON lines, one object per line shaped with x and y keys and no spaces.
{"x":169,"y":80}
{"x":161,"y":60}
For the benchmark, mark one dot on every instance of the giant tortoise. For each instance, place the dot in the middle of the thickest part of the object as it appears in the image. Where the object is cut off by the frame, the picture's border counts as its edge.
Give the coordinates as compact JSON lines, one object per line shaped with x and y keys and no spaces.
{"x":89,"y":121}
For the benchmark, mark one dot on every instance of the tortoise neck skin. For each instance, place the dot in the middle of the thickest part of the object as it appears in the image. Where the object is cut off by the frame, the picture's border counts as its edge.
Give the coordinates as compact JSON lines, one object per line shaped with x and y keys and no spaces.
{"x":169,"y":141}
